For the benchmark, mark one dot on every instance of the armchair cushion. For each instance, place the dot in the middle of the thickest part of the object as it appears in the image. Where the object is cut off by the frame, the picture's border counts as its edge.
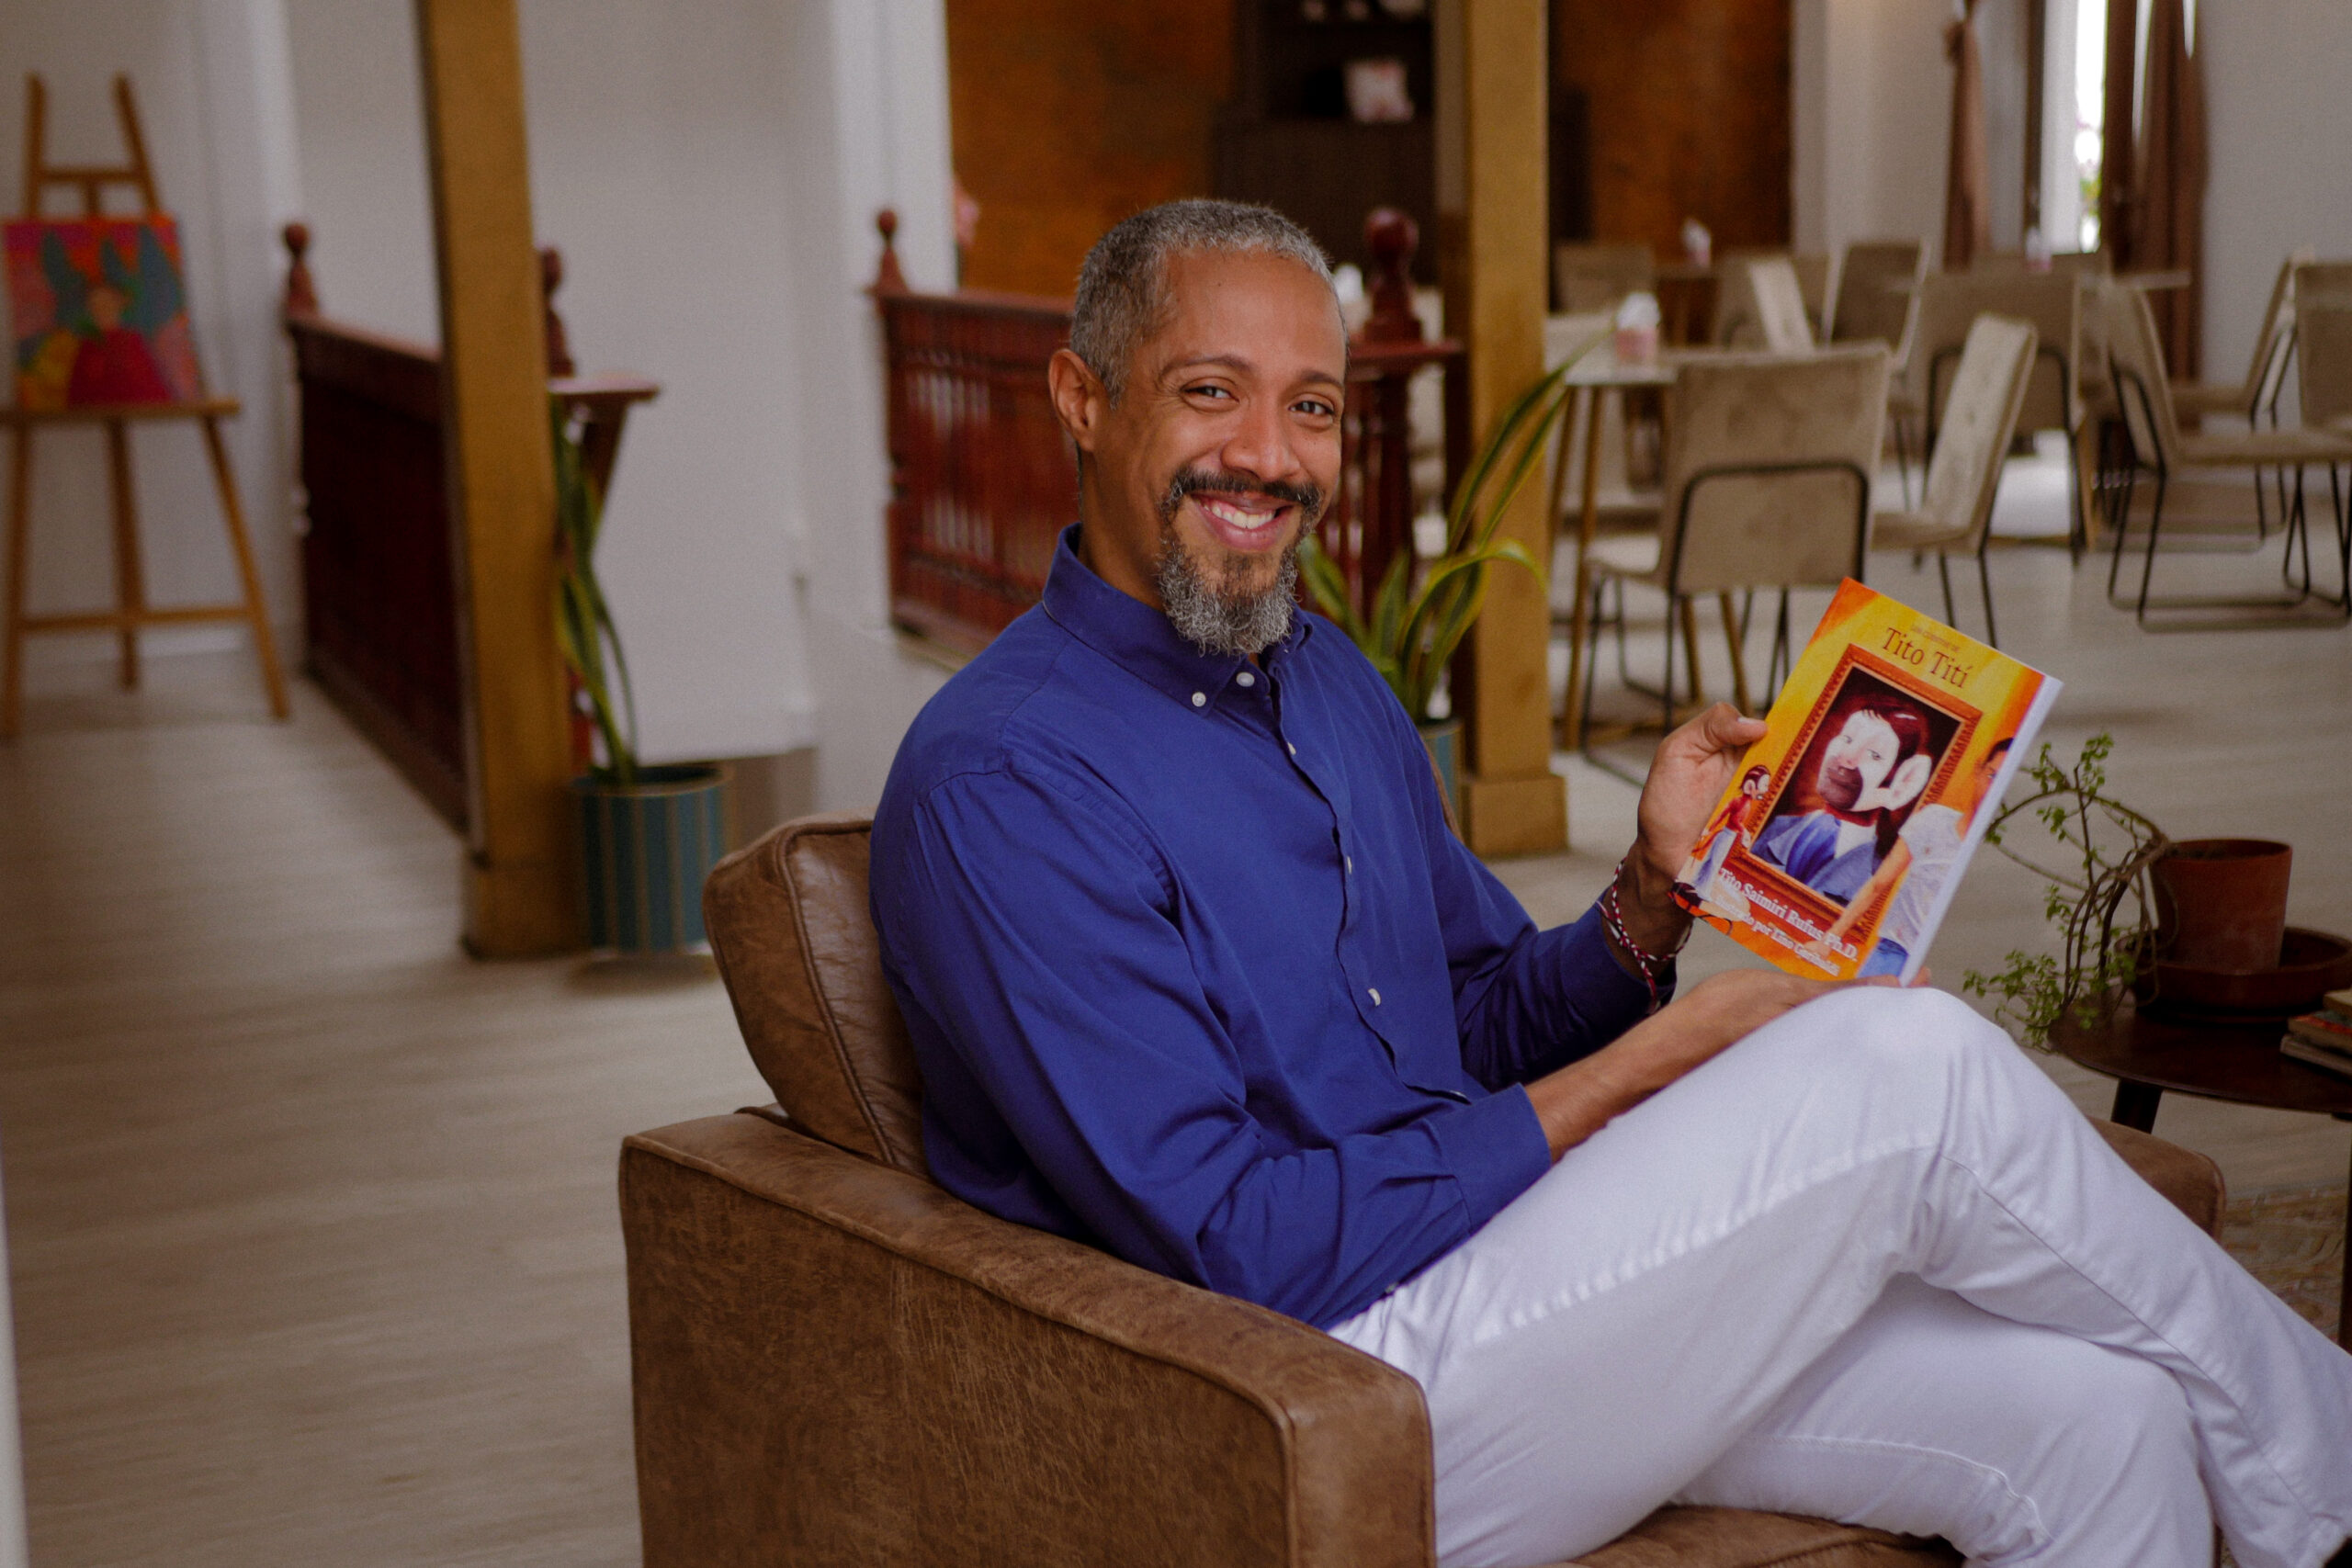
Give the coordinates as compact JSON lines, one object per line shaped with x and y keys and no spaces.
{"x":795,"y":943}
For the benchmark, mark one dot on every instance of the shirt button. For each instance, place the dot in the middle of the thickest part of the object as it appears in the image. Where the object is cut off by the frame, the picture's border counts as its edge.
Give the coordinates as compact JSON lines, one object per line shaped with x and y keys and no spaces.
{"x":1200,"y":699}
{"x":1373,"y":992}
{"x":1245,"y":679}
{"x":1348,"y":864}
{"x":1293,"y":751}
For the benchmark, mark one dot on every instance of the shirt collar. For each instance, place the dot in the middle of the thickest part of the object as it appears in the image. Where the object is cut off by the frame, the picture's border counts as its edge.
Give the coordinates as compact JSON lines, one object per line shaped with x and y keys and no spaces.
{"x":1139,"y":638}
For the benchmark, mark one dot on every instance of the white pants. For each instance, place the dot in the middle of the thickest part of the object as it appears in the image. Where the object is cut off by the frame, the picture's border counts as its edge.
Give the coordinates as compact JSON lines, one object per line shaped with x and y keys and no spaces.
{"x":1869,"y":1264}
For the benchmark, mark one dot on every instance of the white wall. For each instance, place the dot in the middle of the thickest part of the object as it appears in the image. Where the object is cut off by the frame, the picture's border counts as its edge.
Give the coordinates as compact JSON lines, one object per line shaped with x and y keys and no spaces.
{"x":2278,"y":124}
{"x":871,"y":78}
{"x":1872,"y":116}
{"x":210,"y":79}
{"x":709,"y":169}
{"x":359,"y":133}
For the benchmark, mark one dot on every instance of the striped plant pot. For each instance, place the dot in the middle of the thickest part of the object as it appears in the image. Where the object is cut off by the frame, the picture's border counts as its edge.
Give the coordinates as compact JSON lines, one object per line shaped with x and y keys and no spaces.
{"x":1443,"y":739}
{"x":645,"y":848}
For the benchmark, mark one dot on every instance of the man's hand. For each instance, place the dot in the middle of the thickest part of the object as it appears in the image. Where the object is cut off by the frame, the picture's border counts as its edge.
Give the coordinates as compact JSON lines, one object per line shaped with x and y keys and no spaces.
{"x":1687,"y":778}
{"x":1713,"y":1016}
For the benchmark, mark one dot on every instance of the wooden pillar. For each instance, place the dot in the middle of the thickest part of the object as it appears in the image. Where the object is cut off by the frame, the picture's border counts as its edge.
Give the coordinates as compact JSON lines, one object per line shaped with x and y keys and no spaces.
{"x":521,"y":896}
{"x":1493,"y":101}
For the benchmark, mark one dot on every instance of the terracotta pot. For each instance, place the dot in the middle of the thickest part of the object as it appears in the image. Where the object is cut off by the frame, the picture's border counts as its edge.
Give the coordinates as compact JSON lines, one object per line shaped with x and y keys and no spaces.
{"x":2222,"y":904}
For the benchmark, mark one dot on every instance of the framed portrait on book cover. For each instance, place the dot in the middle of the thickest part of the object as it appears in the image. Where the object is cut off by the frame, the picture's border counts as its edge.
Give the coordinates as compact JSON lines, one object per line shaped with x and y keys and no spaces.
{"x":98,"y":313}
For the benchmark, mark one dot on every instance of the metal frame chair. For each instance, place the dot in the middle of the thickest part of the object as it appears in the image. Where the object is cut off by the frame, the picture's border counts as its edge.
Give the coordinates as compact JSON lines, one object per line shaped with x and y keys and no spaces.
{"x":2156,"y":447}
{"x":1751,"y":437}
{"x":1956,"y":509}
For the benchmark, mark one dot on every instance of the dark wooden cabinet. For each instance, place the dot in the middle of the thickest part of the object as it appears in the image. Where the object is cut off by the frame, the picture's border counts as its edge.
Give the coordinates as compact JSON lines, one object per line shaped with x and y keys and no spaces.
{"x":1285,"y":140}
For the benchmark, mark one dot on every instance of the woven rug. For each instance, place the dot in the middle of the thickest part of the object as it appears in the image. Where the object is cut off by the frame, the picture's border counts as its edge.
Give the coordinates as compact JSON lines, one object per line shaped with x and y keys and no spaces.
{"x":2291,"y":1238}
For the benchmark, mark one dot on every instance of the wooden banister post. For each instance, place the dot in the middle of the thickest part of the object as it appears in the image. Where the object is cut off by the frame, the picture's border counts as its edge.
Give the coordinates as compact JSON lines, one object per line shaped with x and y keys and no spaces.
{"x":888,"y":279}
{"x":301,"y":294}
{"x":559,"y":344}
{"x":1492,"y":90}
{"x":1391,"y":237}
{"x":521,"y":877}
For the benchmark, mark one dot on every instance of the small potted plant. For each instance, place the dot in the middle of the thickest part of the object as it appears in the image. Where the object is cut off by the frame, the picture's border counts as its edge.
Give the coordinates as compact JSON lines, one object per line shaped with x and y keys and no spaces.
{"x":1418,"y":618}
{"x":2100,"y":900}
{"x":647,"y":835}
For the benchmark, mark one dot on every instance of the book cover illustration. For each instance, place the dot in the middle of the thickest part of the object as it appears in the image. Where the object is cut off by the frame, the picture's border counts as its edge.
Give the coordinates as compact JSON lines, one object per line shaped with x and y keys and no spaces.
{"x":98,"y":312}
{"x":1837,"y":847}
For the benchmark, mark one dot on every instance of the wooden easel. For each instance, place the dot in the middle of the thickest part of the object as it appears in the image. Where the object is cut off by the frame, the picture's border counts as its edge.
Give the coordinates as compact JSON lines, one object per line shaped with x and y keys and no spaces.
{"x":132,"y":610}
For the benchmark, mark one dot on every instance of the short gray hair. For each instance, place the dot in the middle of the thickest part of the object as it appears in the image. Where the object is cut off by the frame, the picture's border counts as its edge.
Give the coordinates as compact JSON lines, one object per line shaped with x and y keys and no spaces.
{"x":1122,"y":288}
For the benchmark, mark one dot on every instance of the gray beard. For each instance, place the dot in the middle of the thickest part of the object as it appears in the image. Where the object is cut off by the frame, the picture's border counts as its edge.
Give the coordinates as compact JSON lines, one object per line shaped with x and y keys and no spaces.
{"x":1222,"y":623}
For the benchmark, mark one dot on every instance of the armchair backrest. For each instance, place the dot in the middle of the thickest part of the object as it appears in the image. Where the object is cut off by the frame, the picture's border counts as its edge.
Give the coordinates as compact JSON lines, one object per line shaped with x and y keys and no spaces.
{"x":1768,"y":467}
{"x":794,"y":937}
{"x":1871,"y":302}
{"x":1980,"y":418}
{"x":2050,"y":302}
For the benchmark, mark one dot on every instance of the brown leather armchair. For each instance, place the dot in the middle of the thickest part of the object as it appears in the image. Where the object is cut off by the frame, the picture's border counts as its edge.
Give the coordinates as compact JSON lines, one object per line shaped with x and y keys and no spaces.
{"x":838,"y":1362}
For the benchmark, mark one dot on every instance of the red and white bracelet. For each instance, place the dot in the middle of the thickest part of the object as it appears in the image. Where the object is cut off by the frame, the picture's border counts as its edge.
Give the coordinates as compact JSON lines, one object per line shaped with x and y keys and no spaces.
{"x":1612,"y":920}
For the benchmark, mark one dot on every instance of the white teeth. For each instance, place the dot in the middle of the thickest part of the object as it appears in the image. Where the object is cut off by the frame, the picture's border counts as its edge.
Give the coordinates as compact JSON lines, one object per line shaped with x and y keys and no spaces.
{"x":1236,"y":515}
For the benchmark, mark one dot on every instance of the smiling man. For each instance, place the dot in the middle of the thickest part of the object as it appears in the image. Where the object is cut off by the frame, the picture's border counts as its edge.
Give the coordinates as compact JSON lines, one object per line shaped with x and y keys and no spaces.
{"x":1196,"y":973}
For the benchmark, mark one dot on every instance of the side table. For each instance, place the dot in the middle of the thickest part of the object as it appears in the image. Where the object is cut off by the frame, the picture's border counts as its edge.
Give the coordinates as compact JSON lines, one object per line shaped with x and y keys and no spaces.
{"x":2241,"y":1062}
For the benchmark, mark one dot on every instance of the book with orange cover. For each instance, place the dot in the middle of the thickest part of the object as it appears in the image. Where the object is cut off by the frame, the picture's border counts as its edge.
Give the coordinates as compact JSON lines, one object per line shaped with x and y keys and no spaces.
{"x":1839,"y":843}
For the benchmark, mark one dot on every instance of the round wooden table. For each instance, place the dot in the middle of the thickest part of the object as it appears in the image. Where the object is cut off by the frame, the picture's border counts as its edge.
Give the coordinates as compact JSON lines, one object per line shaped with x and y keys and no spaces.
{"x":2147,"y":1054}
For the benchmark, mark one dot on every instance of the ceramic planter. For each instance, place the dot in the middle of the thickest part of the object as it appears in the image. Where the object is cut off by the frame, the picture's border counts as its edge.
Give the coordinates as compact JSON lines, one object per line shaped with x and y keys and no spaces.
{"x":2222,"y":904}
{"x":645,"y":848}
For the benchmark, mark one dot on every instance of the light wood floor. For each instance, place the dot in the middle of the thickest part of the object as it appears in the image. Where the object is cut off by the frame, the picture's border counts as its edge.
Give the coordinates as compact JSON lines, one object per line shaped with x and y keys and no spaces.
{"x":311,"y":1219}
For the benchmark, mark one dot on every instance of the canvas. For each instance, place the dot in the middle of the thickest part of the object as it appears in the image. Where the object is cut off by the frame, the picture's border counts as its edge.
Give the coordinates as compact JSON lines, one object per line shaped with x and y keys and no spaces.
{"x":99,"y":313}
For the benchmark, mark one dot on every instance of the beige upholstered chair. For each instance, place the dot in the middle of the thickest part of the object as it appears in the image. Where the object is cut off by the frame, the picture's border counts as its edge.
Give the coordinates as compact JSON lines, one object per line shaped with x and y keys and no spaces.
{"x":2052,"y":303}
{"x":1779,"y":305}
{"x":2193,"y":400}
{"x":1873,"y":303}
{"x":2162,"y":456}
{"x":1955,"y":513}
{"x":1735,"y":324}
{"x":835,"y":1360}
{"x":2323,"y":331}
{"x":1768,"y":463}
{"x":1594,"y":276}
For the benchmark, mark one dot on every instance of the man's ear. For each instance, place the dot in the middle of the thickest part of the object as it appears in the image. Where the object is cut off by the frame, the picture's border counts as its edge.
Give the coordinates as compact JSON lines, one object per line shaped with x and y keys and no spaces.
{"x":1908,"y":781}
{"x":1080,"y":399}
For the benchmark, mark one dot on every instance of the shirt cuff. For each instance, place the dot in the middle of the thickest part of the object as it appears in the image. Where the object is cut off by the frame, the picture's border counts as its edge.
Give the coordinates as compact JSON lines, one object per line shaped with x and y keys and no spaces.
{"x":1495,"y":1149}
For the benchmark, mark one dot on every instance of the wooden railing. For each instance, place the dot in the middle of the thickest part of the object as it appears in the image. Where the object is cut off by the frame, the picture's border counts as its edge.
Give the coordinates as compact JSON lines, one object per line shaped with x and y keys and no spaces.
{"x":380,"y":595}
{"x":982,"y":480}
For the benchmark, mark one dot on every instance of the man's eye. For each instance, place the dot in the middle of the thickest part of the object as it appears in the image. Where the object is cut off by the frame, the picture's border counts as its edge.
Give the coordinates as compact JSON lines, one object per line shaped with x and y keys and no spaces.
{"x":1317,"y":408}
{"x":1207,"y":389}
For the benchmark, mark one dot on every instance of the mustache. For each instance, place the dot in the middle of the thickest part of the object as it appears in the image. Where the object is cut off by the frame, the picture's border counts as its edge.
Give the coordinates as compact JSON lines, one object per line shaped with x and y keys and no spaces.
{"x":1841,"y":783}
{"x":1308,"y":498}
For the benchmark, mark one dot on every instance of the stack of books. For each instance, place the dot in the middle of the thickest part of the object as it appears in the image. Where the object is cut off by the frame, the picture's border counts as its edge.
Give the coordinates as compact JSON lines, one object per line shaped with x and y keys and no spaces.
{"x":2324,"y":1038}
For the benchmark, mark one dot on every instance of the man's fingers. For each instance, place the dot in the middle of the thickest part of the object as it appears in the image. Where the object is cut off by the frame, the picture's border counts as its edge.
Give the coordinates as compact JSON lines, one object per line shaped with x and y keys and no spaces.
{"x":1722,"y":728}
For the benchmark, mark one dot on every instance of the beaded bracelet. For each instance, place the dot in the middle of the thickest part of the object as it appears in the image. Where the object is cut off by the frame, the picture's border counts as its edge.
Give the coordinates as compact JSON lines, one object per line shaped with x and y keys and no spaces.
{"x":1612,"y":920}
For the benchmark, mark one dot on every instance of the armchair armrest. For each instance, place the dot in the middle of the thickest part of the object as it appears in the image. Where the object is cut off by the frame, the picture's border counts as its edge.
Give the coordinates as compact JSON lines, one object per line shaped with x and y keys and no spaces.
{"x":838,"y":1362}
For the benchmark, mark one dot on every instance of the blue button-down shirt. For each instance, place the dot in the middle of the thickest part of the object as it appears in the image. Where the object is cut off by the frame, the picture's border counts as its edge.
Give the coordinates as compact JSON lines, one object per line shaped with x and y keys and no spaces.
{"x":1195,"y":969}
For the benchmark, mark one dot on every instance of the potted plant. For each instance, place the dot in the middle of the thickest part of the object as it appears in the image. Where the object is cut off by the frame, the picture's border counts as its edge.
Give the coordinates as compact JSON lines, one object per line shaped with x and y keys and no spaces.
{"x":647,"y":835}
{"x":2101,"y":901}
{"x":1418,"y":618}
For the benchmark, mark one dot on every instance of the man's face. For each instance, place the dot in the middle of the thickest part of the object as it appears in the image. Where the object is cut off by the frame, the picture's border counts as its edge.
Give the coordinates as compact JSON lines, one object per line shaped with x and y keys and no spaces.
{"x":1862,"y":769}
{"x":1224,"y":444}
{"x":1856,"y":760}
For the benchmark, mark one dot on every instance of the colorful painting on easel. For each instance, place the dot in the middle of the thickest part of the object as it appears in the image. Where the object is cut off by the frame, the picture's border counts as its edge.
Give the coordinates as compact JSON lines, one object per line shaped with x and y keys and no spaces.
{"x":98,"y":312}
